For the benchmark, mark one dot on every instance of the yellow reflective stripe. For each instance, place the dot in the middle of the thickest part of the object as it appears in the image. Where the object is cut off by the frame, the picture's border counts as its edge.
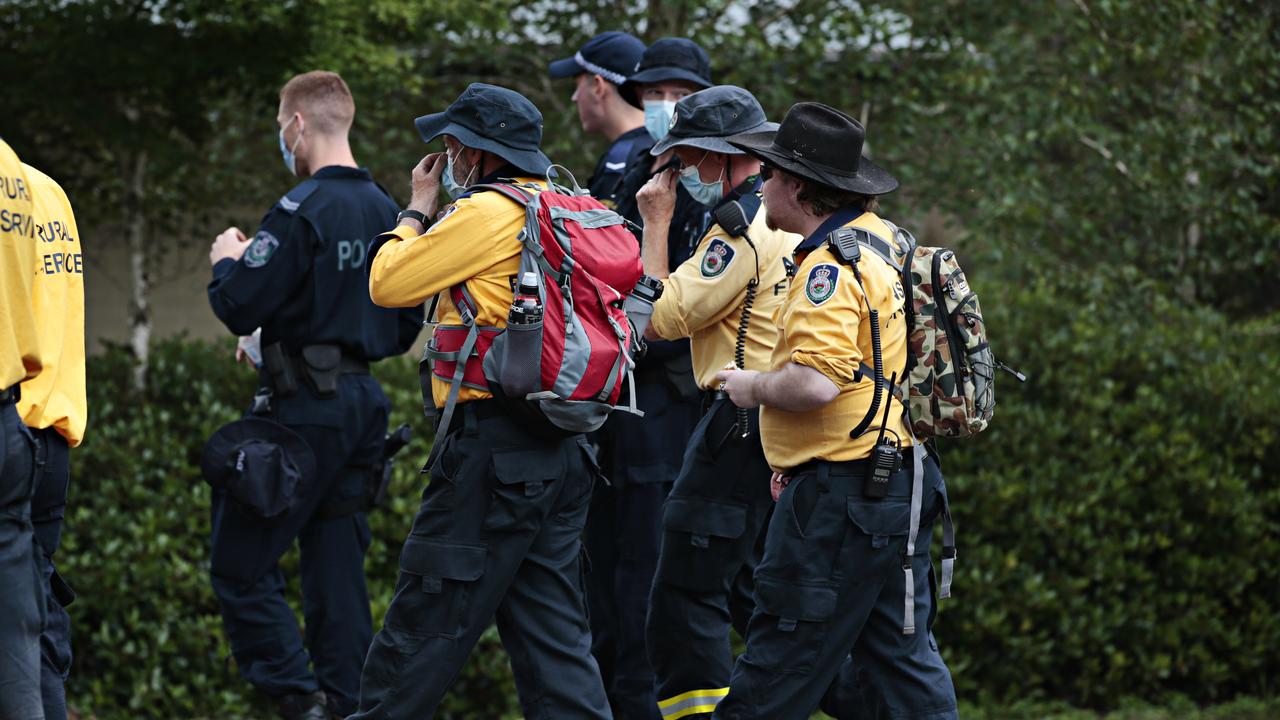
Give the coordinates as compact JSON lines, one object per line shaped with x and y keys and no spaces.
{"x":692,"y":702}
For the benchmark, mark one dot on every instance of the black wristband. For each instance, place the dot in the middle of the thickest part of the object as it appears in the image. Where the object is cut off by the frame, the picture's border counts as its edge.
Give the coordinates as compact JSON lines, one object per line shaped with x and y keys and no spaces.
{"x":413,"y":215}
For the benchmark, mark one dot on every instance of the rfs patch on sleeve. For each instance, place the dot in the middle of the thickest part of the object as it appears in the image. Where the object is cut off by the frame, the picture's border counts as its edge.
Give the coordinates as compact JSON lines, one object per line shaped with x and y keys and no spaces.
{"x":260,"y":250}
{"x":821,"y":284}
{"x":716,"y":259}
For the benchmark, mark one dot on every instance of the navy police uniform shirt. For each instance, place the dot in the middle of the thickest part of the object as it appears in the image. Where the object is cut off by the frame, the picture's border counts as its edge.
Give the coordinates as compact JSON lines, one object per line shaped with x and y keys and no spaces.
{"x":631,"y":148}
{"x":689,"y":222}
{"x":302,"y":278}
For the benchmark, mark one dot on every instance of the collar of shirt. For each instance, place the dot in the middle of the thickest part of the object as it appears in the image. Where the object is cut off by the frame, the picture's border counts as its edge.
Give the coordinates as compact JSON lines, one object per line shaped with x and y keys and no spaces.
{"x":341,"y":172}
{"x":507,"y":172}
{"x":751,"y":203}
{"x":838,"y":219}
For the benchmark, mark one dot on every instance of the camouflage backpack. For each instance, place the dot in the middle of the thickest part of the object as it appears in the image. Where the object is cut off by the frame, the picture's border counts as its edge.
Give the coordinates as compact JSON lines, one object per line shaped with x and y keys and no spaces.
{"x":950,"y":366}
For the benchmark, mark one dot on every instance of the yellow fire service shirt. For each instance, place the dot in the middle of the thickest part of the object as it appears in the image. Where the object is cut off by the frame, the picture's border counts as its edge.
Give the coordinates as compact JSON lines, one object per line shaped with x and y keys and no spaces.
{"x":703,"y":298}
{"x":56,"y":397}
{"x":823,"y":324}
{"x":474,"y":243}
{"x":20,"y":356}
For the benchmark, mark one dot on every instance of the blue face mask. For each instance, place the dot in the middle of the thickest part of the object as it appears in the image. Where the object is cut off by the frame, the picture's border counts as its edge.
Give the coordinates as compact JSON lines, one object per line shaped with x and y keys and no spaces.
{"x":657,"y":117}
{"x":290,"y":161}
{"x":707,"y":193}
{"x":451,"y":185}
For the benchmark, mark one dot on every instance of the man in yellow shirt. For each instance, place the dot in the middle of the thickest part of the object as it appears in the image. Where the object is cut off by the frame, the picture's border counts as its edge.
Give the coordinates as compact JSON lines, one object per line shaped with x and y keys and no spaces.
{"x":498,"y":533}
{"x":54,"y":406}
{"x":723,"y":298}
{"x":840,"y":542}
{"x":21,"y":358}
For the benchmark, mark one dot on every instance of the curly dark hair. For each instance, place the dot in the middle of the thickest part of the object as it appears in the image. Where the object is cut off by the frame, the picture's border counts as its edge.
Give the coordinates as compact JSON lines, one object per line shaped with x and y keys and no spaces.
{"x":822,"y":199}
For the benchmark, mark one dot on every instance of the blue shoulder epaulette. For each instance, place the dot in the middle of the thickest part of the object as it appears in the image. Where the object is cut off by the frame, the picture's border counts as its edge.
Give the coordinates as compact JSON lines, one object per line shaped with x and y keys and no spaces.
{"x":615,"y":161}
{"x":292,"y":200}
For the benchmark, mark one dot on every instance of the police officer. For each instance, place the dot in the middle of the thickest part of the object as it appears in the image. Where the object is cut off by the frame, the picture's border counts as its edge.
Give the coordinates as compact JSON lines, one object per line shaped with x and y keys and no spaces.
{"x":846,"y":562}
{"x":598,"y":68}
{"x":641,"y":456}
{"x":498,"y":533}
{"x":54,"y":406}
{"x":301,"y":279}
{"x":723,"y":298}
{"x":21,"y":358}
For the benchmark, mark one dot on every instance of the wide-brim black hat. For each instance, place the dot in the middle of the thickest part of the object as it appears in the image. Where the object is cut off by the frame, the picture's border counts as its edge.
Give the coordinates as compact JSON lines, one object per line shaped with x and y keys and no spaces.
{"x":220,"y":453}
{"x":704,"y":119}
{"x":822,"y":144}
{"x":495,"y":119}
{"x":668,"y":59}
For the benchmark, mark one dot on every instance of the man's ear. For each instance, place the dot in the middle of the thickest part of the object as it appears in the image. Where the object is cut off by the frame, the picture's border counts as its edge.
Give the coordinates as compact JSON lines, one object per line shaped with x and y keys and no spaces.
{"x":600,"y":86}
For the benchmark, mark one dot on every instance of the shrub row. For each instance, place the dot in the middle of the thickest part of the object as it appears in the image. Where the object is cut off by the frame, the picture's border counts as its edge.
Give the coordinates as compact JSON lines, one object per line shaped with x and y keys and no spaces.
{"x":1118,"y":523}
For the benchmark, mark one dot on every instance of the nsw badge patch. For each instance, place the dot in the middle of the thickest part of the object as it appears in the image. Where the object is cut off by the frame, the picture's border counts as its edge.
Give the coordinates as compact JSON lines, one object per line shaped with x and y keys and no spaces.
{"x":716,"y":259}
{"x":260,"y":250}
{"x":821,"y":284}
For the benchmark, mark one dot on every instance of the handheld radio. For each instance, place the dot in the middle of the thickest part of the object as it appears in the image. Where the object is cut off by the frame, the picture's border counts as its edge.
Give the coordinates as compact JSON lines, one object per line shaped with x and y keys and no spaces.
{"x":732,"y":218}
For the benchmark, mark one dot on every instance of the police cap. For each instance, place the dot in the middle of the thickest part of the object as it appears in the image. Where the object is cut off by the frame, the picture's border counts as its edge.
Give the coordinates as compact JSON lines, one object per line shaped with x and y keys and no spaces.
{"x":495,"y":119}
{"x":612,"y":55}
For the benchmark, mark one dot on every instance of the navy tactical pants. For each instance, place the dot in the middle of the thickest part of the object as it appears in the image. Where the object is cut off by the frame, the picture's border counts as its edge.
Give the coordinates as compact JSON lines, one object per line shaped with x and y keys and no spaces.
{"x":830,"y":585}
{"x":21,"y":599}
{"x":711,"y":524}
{"x":346,"y":433}
{"x":498,"y":536}
{"x":641,"y":458}
{"x":52,"y":477}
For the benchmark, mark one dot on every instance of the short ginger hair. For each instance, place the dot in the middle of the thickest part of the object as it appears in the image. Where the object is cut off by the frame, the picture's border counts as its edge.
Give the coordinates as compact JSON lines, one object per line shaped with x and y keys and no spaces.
{"x":323,"y":97}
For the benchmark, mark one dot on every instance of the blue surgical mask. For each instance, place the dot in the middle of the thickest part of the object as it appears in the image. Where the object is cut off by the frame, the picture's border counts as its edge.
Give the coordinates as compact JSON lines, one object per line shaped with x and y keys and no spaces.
{"x":707,"y":193}
{"x":451,"y":185}
{"x":290,"y":160}
{"x":657,"y":117}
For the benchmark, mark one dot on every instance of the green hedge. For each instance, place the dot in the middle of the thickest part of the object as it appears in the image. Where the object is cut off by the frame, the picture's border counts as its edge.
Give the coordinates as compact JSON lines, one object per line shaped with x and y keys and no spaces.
{"x":1118,"y":524}
{"x":148,"y":636}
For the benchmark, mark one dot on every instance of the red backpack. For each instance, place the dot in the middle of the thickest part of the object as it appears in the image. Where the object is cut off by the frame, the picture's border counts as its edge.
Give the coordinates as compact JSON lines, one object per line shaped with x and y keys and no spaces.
{"x":588,"y":264}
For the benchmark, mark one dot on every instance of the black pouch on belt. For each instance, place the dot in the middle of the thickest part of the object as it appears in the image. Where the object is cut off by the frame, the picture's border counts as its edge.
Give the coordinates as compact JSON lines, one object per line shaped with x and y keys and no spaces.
{"x":322,"y":366}
{"x":284,"y":379}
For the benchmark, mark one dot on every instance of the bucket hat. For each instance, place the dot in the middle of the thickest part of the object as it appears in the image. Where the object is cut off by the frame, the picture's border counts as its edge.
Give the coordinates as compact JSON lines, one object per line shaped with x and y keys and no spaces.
{"x":705,"y":118}
{"x":495,"y":119}
{"x":668,"y":59}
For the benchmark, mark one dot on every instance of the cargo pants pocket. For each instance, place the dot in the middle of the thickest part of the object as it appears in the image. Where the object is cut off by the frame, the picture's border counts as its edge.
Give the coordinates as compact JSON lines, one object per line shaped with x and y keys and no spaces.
{"x":433,"y":595}
{"x":701,"y":543}
{"x":521,"y":479}
{"x":790,"y":625}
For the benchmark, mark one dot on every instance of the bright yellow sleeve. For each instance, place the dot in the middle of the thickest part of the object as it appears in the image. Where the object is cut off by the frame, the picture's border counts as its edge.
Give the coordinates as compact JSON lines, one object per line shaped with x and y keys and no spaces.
{"x":56,"y":397}
{"x":706,"y":287}
{"x":473,"y":236}
{"x":822,"y":322}
{"x":20,"y":356}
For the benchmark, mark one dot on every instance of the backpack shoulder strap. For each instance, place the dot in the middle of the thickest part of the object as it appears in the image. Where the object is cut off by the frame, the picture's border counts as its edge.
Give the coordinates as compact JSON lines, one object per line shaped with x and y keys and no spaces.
{"x":511,"y":192}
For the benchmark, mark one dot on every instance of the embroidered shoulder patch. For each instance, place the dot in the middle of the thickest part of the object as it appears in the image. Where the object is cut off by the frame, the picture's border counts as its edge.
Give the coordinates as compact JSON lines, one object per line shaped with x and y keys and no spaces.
{"x":259,"y":252}
{"x":821,"y":284}
{"x":716,"y":259}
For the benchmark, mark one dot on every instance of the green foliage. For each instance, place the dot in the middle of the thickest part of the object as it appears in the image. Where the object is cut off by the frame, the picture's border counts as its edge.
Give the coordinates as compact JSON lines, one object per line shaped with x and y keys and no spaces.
{"x":147,"y":632}
{"x":1118,"y":517}
{"x":1117,"y":521}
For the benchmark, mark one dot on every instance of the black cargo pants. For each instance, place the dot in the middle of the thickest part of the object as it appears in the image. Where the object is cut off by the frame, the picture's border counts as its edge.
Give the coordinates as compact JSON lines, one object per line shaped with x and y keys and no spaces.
{"x":711,"y":523}
{"x":498,"y":534}
{"x":831,"y":586}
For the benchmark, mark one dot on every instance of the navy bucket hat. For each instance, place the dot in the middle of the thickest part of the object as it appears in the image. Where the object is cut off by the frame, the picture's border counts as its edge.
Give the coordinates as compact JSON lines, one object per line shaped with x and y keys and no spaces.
{"x":611,"y":55}
{"x":669,"y":59}
{"x":264,"y":466}
{"x":495,"y":119}
{"x":705,"y":118}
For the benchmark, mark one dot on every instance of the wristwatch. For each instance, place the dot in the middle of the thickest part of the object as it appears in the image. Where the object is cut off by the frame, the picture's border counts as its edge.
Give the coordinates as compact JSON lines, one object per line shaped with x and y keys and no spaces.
{"x":413,"y":215}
